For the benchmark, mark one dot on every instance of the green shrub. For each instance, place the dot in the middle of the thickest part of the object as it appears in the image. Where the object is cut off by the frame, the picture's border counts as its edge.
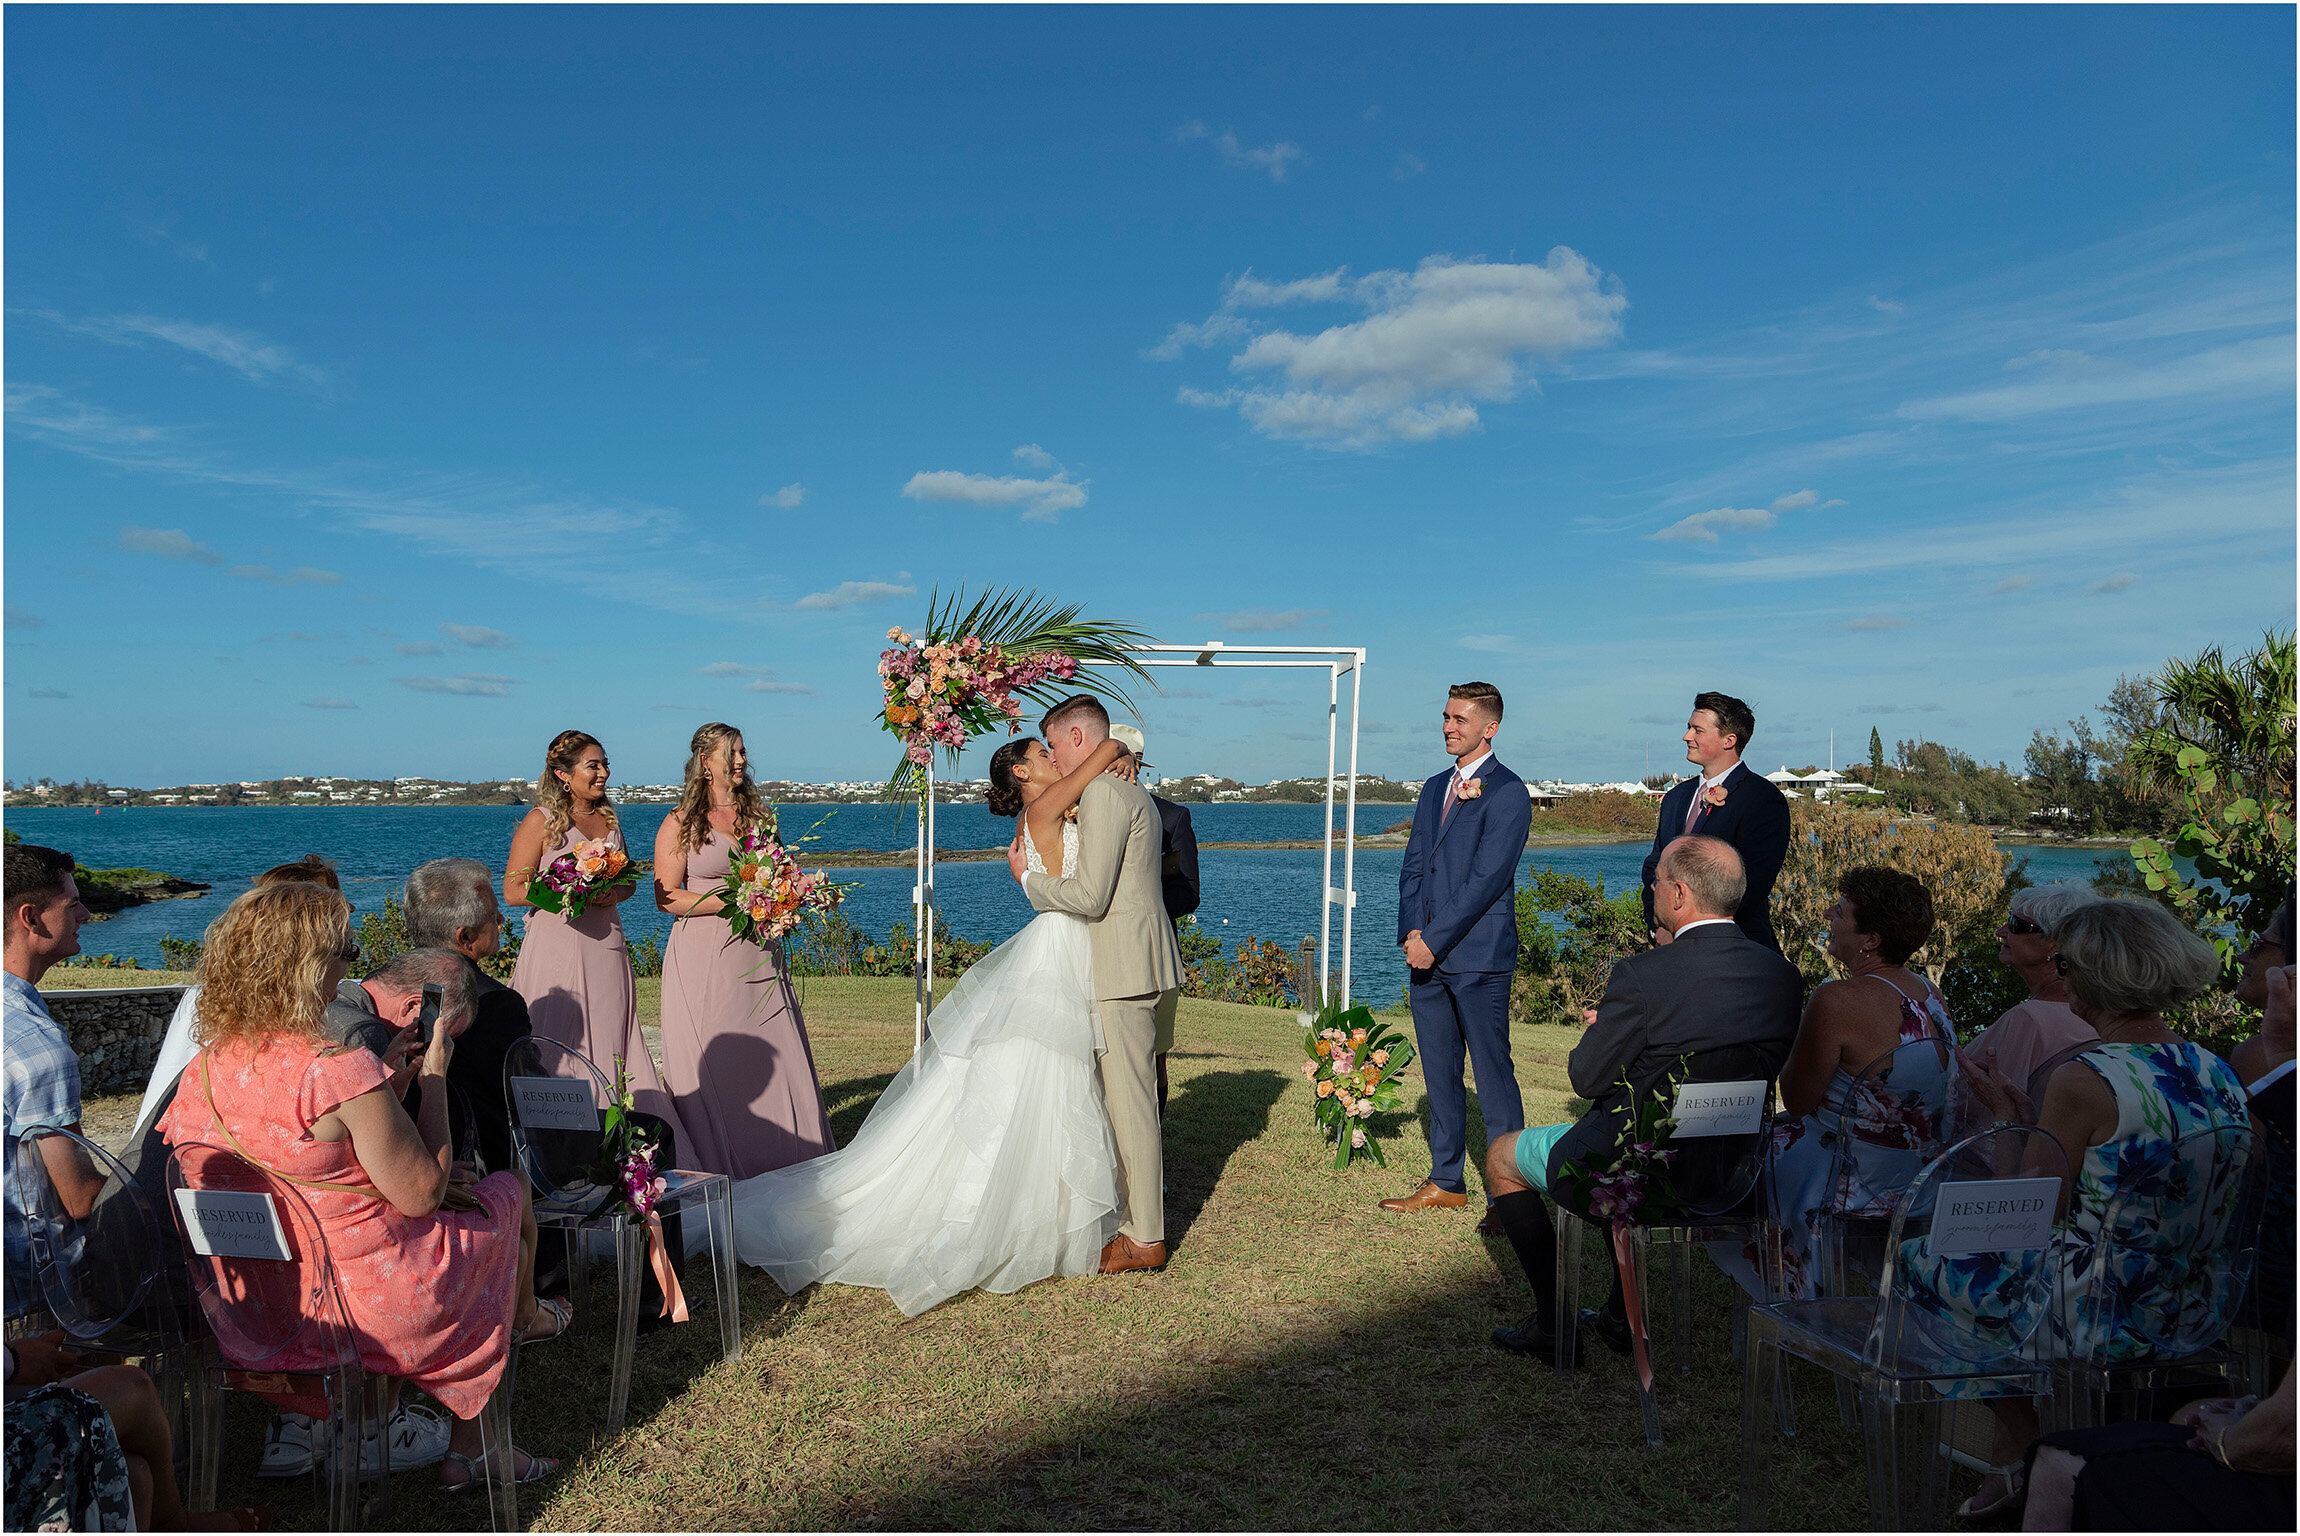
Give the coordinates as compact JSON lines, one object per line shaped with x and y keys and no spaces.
{"x":1262,"y":972}
{"x":179,"y":954}
{"x":646,"y":957}
{"x":1562,"y":968}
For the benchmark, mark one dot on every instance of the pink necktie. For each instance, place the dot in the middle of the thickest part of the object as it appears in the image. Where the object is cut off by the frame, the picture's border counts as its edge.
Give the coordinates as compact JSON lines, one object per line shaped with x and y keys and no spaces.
{"x":1693,"y":811}
{"x":1452,"y":792}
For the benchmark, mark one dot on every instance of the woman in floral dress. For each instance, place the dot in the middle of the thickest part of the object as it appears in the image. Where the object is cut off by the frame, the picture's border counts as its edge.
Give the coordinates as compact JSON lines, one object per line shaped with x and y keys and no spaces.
{"x":2118,"y":1110}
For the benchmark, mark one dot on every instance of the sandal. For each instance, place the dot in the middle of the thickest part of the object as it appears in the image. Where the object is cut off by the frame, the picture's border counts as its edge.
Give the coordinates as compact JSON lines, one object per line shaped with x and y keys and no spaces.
{"x":2014,"y":1475}
{"x":560,"y":1309}
{"x":538,"y":1468}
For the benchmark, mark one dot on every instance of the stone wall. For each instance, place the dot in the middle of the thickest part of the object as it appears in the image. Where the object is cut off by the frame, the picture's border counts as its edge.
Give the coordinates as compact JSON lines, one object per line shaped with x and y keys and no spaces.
{"x":116,"y":1031}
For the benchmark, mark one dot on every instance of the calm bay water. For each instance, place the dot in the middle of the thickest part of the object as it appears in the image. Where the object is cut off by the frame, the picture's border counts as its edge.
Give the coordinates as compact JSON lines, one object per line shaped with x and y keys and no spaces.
{"x":1271,"y":893}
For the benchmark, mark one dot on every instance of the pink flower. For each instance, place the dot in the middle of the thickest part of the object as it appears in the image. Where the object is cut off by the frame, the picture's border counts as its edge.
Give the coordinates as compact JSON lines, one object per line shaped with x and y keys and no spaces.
{"x":1714,"y":794}
{"x":1357,"y":1136}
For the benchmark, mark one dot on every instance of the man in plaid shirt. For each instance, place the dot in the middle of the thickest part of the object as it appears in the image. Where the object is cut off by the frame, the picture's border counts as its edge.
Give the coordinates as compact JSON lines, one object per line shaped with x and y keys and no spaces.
{"x":43,"y":913}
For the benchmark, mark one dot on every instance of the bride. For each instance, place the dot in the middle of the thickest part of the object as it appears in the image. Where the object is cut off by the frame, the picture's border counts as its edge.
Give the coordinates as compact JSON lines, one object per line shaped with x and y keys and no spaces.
{"x":988,"y":1161}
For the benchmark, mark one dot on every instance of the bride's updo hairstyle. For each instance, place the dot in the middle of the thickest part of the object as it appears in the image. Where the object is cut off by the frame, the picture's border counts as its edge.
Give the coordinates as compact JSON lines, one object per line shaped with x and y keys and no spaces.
{"x":1005,"y":797}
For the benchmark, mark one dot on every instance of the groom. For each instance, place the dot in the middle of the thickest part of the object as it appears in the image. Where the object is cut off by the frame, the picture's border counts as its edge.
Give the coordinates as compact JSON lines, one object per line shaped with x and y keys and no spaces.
{"x":1115,"y":887}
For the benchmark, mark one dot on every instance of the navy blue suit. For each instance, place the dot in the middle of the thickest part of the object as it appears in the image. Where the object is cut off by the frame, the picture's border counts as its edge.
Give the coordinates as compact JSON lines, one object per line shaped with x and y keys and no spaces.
{"x":1755,"y":820}
{"x":1458,"y":886}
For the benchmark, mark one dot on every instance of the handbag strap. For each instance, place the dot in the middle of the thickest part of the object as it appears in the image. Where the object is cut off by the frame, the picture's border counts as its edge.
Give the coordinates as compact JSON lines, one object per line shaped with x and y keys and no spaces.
{"x":207,"y":1083}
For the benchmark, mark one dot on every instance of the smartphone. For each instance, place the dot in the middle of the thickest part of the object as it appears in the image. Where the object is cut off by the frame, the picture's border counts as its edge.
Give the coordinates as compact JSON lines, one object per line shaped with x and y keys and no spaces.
{"x":425,"y":1021}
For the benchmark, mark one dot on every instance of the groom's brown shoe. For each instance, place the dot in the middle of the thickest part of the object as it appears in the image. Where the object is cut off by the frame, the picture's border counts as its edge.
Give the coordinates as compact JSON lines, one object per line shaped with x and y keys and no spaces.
{"x":1428,"y":1198}
{"x":1122,"y":1254}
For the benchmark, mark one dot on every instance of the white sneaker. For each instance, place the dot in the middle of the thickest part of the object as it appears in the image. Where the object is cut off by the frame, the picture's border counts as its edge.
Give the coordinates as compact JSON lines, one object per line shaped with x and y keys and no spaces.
{"x":287,"y":1447}
{"x":417,"y":1438}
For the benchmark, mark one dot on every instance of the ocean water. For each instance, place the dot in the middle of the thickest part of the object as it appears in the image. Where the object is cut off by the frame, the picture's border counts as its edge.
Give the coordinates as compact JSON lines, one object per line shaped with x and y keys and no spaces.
{"x":1269,"y":893}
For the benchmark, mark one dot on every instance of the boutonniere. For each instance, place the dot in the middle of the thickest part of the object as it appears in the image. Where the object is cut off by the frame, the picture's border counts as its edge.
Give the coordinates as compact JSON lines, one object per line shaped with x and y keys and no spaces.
{"x":1714,"y":795}
{"x":1470,"y":789}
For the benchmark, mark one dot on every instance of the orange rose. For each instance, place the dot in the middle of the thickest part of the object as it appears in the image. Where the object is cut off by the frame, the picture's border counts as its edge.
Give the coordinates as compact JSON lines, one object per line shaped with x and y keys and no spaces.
{"x":1372,"y":1075}
{"x":1325,"y":1047}
{"x":1326,"y":1090}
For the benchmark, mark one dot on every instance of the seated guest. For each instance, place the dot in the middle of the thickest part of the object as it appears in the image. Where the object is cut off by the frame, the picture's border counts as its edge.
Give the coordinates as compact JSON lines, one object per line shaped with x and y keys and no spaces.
{"x":2116,"y":1111}
{"x":451,"y":905}
{"x":2229,"y":1458}
{"x":437,"y":1276}
{"x":176,"y":1047}
{"x":2266,"y":1059}
{"x":1879,"y":919}
{"x":2043,"y":1030}
{"x":1711,"y":991}
{"x":90,"y":1449}
{"x":44,"y":914}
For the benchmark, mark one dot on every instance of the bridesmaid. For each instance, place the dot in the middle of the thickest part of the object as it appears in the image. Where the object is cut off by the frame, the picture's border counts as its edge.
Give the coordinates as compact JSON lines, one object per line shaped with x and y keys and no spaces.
{"x":575,"y":973}
{"x":734,"y":1046}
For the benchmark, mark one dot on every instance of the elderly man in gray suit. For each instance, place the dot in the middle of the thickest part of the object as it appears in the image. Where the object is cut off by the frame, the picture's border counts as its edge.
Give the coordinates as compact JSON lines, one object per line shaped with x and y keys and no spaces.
{"x":1115,"y":887}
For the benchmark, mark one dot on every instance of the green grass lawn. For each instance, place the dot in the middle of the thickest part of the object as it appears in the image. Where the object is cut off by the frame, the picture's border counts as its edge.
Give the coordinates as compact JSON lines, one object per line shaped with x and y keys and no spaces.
{"x":1306,"y":1361}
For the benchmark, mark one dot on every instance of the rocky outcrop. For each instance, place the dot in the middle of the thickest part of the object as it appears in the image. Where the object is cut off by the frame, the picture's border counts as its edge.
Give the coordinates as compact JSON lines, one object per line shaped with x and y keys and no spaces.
{"x":116,"y":1031}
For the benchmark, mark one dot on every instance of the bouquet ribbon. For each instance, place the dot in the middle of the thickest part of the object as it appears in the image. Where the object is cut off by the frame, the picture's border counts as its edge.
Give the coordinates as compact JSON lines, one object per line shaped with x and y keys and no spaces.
{"x":1626,"y":1262}
{"x":659,"y":1260}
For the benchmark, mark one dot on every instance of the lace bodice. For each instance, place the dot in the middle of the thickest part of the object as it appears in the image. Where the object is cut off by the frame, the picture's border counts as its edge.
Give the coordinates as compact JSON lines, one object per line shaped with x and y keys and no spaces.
{"x":1069,"y":848}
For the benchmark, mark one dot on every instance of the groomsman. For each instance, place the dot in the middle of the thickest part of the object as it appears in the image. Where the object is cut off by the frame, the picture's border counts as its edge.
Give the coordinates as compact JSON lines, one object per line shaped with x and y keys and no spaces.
{"x":1457,"y":922}
{"x":1727,"y":801}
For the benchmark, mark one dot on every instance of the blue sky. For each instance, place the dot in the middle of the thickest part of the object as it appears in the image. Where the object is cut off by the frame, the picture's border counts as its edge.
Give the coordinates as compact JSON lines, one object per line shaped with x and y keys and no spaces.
{"x":390,"y":389}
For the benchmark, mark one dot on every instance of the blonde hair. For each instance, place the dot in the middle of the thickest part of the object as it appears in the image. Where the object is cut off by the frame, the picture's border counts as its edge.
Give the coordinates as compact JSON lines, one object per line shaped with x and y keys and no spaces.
{"x":694,"y":812}
{"x":2131,"y":957}
{"x":264,"y":962}
{"x":554,"y":798}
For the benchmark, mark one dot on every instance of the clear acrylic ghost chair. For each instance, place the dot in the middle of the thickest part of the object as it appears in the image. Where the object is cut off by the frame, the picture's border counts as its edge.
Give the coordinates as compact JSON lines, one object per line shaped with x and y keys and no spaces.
{"x":562,"y":1165}
{"x":101,"y":1275}
{"x":1897,"y":1117}
{"x":2181,"y":1224}
{"x":1923,"y":1341}
{"x":1727,"y":1184}
{"x":279,"y":1329}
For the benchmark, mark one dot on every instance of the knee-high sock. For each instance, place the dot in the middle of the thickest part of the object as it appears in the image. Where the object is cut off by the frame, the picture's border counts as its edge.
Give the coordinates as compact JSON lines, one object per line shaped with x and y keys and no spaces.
{"x":1525,"y":1221}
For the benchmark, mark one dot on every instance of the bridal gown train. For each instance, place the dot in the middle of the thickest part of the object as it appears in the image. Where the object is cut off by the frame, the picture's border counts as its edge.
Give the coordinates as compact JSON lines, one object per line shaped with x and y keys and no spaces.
{"x":988,"y":1162}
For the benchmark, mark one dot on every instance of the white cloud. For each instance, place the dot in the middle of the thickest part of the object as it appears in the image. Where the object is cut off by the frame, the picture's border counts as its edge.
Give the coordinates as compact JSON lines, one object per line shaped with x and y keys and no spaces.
{"x":2010,"y":584}
{"x":2054,"y":380}
{"x":244,"y":352}
{"x":762,"y":679}
{"x":2122,"y":582}
{"x":1434,"y":342}
{"x":1703,"y":527}
{"x":1796,"y":501}
{"x":1887,"y":306}
{"x":1875,"y":623}
{"x":480,"y":685}
{"x":478,"y":637}
{"x":1274,"y":158}
{"x":770,"y":685}
{"x":168,"y":544}
{"x":330,"y":703}
{"x":786,"y":498}
{"x":21,"y":618}
{"x":1262,"y":621}
{"x":1407,"y":167}
{"x":1487,"y":642}
{"x":849,"y":593}
{"x":294,"y":576}
{"x":1041,"y":501}
{"x":1034,"y":456}
{"x":418,"y":648}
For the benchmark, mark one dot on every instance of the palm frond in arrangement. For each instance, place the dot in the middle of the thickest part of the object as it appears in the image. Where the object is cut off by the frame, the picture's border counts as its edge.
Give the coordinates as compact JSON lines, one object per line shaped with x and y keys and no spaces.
{"x":1040,"y":644}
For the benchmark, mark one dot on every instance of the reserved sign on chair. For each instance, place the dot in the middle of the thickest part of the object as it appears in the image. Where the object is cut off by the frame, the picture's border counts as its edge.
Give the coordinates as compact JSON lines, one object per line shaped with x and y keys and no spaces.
{"x":1992,"y":1216}
{"x":555,"y":1103}
{"x":232,"y":1224}
{"x":1718,"y":1109}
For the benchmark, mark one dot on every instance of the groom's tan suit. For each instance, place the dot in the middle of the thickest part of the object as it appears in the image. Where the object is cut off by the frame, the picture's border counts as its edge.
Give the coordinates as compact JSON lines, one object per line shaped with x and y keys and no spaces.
{"x":1115,"y":887}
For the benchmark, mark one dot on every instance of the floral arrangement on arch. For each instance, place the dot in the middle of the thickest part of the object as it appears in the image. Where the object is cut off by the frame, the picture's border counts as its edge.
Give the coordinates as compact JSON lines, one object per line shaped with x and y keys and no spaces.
{"x":1353,"y":1062}
{"x":578,"y":877}
{"x":968,"y":673}
{"x":766,"y":894}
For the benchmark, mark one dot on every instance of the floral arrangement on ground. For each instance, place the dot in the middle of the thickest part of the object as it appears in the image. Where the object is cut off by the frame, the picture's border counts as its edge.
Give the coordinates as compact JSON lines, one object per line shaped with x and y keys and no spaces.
{"x":1353,"y":1062}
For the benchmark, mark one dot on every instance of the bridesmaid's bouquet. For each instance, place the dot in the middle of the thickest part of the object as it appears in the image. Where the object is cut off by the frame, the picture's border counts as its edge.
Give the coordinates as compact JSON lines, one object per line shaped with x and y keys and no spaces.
{"x":766,"y":894}
{"x":1353,"y":1061}
{"x":578,"y":877}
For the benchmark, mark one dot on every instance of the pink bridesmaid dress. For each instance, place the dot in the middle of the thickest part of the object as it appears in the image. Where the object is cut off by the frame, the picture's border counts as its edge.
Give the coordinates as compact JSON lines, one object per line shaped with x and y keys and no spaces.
{"x":734,"y":1046}
{"x":575,"y":974}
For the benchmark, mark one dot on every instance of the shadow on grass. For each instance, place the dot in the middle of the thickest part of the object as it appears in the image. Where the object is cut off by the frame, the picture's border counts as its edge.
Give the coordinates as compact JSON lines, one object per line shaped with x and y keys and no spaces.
{"x":848,"y":1103}
{"x":1208,"y":1119}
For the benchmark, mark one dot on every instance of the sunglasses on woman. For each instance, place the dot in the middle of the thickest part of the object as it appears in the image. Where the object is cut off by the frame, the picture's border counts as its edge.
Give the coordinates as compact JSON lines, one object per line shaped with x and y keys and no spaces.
{"x":2019,"y":924}
{"x":349,"y":954}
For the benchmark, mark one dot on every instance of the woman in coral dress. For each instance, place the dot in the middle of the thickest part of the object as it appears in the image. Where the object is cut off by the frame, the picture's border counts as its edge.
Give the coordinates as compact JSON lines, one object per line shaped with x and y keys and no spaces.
{"x":735,"y":1049}
{"x":437,"y":1277}
{"x":575,"y":972}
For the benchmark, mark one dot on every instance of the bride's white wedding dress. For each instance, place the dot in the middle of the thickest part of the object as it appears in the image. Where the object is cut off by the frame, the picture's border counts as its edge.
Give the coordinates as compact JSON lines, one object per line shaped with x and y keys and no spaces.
{"x":987,"y":1163}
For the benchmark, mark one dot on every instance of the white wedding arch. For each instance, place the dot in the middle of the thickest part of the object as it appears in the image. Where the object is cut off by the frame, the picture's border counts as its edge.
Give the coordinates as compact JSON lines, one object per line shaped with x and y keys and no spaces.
{"x":1335,"y":661}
